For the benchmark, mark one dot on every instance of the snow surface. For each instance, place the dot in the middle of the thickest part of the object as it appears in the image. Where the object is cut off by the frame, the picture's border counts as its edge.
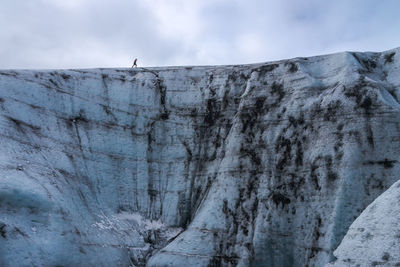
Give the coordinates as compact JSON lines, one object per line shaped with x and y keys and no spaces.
{"x":374,"y":237}
{"x":249,"y":165}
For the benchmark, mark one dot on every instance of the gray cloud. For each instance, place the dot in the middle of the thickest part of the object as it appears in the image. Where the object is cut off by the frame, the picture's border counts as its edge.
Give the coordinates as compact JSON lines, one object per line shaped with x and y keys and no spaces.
{"x":90,"y":33}
{"x":95,"y":33}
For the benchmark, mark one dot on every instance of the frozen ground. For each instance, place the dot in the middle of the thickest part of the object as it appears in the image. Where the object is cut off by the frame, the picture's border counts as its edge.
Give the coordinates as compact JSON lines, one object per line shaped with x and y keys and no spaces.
{"x":250,"y":165}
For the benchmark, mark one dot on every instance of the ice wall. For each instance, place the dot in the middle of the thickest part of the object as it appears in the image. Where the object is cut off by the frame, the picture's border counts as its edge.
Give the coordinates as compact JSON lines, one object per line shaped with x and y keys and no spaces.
{"x":248,"y":165}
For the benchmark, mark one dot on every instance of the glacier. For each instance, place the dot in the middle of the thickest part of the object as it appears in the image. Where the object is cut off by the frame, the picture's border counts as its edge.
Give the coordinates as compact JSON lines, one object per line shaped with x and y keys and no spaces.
{"x":264,"y":164}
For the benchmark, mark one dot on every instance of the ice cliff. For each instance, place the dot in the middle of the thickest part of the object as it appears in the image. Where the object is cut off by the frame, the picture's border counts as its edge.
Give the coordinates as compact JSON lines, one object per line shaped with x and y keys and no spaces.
{"x":249,"y":165}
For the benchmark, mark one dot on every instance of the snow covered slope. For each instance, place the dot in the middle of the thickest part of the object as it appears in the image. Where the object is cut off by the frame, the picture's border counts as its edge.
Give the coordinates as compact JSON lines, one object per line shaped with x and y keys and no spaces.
{"x":261,"y":165}
{"x":374,"y":237}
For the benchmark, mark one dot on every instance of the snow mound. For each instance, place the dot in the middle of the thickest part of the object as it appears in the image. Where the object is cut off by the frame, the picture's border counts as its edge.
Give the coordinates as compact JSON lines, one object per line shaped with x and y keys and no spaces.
{"x":374,"y":237}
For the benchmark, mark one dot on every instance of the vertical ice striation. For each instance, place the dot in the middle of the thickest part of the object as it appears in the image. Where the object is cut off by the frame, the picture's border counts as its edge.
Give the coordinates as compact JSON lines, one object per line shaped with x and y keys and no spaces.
{"x":248,"y":165}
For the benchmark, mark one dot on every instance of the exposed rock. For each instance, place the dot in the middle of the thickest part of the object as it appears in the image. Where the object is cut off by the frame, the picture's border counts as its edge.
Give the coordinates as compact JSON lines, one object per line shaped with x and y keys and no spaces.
{"x":248,"y":165}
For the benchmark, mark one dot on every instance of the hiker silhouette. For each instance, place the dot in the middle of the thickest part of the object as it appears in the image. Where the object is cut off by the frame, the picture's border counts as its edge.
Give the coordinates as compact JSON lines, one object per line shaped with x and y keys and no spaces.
{"x":134,"y":63}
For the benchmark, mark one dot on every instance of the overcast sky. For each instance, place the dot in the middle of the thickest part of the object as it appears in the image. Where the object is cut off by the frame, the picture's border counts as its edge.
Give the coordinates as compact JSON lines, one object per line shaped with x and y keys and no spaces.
{"x":110,"y":33}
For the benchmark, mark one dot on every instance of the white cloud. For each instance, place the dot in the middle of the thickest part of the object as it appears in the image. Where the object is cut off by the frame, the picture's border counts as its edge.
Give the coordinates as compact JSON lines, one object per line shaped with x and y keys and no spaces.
{"x":70,"y":4}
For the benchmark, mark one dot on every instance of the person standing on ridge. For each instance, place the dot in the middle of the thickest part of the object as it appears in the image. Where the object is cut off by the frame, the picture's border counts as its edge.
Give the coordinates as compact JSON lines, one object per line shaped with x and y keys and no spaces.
{"x":134,"y":63}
